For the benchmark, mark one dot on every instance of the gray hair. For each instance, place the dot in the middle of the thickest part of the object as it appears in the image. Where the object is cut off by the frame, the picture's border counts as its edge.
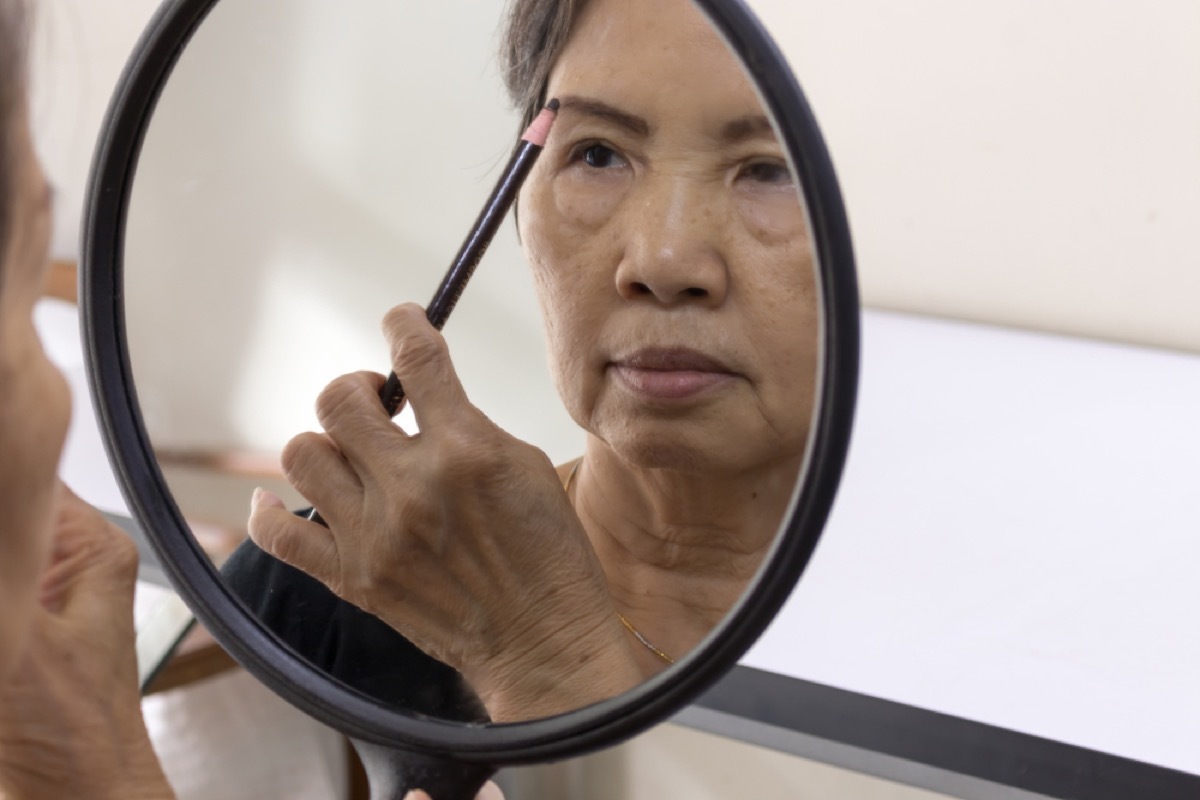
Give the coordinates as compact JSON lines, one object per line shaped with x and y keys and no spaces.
{"x":535,"y":34}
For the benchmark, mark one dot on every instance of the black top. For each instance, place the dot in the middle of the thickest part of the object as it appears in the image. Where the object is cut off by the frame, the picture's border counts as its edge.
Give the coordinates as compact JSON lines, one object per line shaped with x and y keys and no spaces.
{"x":357,"y":648}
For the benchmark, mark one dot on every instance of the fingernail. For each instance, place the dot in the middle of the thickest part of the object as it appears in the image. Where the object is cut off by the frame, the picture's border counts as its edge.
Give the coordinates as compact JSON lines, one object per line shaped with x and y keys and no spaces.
{"x":262,"y":497}
{"x":490,"y":791}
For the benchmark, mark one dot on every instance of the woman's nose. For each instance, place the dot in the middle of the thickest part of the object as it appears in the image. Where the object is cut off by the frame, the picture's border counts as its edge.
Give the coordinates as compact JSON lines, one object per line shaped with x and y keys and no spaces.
{"x":672,"y":253}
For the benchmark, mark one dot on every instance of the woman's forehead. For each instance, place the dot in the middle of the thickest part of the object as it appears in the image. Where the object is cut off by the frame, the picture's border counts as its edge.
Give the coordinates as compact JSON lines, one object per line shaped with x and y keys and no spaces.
{"x":656,"y":63}
{"x":633,"y":40}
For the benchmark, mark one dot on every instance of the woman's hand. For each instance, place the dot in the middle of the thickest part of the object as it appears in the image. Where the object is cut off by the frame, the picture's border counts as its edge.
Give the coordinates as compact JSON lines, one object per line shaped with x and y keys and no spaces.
{"x":70,"y":713}
{"x":490,"y":791}
{"x":460,"y":537}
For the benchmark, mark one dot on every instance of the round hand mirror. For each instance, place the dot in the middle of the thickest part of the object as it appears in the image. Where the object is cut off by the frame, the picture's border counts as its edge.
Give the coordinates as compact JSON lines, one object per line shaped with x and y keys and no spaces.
{"x":616,"y":463}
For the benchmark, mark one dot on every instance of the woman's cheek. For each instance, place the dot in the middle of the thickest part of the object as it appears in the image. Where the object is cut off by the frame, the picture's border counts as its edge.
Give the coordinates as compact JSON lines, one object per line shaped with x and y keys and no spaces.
{"x":773,"y":216}
{"x":569,"y":238}
{"x":586,"y":202}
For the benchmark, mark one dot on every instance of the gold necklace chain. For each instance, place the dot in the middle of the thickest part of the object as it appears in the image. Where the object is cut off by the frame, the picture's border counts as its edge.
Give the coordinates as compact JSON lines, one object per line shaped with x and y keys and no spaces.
{"x":646,"y":642}
{"x":571,"y":475}
{"x":628,"y":625}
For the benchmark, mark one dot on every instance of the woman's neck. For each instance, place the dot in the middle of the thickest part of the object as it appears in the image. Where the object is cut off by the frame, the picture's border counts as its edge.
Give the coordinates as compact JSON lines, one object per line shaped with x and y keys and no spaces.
{"x":678,"y":548}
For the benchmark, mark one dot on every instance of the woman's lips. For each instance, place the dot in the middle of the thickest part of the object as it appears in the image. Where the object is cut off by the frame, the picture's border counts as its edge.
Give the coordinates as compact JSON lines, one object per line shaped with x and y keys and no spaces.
{"x":670,"y":373}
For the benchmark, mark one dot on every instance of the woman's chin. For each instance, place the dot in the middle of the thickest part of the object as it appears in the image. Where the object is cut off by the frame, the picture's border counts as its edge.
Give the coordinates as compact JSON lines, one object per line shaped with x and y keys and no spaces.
{"x":662,"y":444}
{"x":655,"y":453}
{"x":719,"y":431}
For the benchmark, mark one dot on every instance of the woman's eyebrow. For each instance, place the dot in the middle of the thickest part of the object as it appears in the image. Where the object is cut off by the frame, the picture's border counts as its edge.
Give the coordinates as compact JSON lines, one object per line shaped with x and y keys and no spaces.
{"x":752,"y":126}
{"x":597,"y":108}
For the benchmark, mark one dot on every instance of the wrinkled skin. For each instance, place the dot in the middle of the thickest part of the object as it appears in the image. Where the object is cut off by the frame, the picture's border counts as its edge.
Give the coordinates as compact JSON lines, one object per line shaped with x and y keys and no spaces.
{"x":70,"y":712}
{"x":662,"y":215}
{"x":672,"y":259}
{"x":662,"y":218}
{"x":446,"y":548}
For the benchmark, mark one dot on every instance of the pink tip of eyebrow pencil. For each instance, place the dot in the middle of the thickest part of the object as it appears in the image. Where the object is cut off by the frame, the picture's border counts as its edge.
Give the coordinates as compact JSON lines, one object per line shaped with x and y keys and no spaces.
{"x":539,"y":129}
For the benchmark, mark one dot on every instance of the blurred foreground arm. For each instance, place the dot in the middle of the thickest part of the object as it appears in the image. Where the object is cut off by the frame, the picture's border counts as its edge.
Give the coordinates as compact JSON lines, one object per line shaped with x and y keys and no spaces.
{"x":70,"y":712}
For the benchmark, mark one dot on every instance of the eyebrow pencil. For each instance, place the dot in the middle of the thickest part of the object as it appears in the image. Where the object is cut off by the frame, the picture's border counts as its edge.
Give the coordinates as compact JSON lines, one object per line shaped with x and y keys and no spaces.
{"x":475,"y":245}
{"x":477,"y":241}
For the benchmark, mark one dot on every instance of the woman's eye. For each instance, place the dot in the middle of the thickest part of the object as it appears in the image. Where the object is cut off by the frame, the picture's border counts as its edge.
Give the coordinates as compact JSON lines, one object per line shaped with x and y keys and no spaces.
{"x":598,"y":156}
{"x":767,"y":172}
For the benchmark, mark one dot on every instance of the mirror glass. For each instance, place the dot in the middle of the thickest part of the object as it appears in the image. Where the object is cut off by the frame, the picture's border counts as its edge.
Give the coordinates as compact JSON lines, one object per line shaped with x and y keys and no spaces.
{"x":312,"y":164}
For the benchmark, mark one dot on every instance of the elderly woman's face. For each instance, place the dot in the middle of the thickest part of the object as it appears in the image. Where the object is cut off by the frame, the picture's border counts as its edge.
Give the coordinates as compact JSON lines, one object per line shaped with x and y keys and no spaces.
{"x":670,"y":247}
{"x":35,"y":402}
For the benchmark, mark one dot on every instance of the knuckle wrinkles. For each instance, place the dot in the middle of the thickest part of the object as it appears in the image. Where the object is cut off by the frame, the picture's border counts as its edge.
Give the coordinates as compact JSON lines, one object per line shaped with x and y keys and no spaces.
{"x":465,"y":454}
{"x":283,"y":544}
{"x":403,"y":316}
{"x":300,"y":453}
{"x":416,"y":350}
{"x":336,"y":399}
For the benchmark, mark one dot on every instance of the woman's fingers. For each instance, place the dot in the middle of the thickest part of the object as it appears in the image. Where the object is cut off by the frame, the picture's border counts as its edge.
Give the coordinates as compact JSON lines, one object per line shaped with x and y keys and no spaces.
{"x":307,"y":546}
{"x":350,"y":411}
{"x":352,"y":414}
{"x":422,"y":362}
{"x":316,"y":468}
{"x":92,"y":573}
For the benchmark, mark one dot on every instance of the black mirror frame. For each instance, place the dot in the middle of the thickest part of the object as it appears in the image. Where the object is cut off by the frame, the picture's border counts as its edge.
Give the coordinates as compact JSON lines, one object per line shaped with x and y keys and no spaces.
{"x":196,"y":580}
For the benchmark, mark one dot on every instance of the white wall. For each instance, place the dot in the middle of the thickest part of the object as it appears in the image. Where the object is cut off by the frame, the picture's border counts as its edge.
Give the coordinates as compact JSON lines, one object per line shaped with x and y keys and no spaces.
{"x":80,"y":48}
{"x":1031,"y":163}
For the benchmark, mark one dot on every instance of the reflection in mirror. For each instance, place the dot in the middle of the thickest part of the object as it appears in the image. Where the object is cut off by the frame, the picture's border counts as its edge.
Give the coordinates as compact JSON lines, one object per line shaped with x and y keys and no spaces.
{"x":638,"y":355}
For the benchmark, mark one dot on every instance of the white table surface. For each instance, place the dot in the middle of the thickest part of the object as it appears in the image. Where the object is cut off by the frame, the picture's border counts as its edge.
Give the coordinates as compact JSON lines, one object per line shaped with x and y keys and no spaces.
{"x":1016,"y":540}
